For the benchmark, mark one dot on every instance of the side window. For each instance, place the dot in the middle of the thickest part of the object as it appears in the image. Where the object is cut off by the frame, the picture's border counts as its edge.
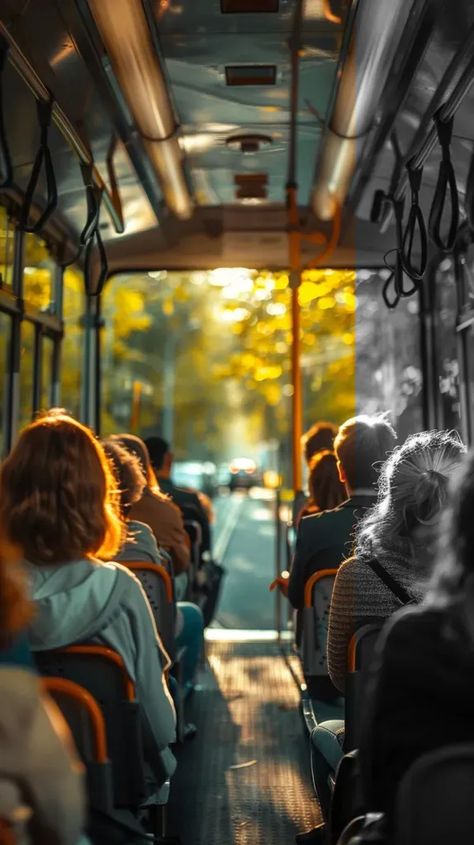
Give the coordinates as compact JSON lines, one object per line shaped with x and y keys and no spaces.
{"x":27,"y":358}
{"x":5,"y":331}
{"x":389,"y":373}
{"x":38,"y":274}
{"x":446,"y":346}
{"x":72,"y":344}
{"x":7,"y":239}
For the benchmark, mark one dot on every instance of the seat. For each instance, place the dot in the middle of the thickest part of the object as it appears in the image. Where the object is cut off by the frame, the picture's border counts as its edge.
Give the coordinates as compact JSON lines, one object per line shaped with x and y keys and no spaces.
{"x":359,"y":659}
{"x":87,"y":725}
{"x":331,"y":739}
{"x":158,"y":586}
{"x":194,"y":532}
{"x":101,"y":671}
{"x":313,"y":648}
{"x":435,"y":799}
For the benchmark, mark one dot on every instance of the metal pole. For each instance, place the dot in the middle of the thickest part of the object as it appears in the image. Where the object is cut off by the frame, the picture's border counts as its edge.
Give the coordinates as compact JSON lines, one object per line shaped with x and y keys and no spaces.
{"x":277,"y":563}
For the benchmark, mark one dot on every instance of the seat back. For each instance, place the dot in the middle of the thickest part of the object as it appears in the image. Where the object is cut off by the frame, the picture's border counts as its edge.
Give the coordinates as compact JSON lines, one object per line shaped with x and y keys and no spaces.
{"x":101,"y":671}
{"x":194,"y":532}
{"x":317,"y":602}
{"x":435,"y":800}
{"x":359,"y":658}
{"x":87,"y":725}
{"x":158,"y":586}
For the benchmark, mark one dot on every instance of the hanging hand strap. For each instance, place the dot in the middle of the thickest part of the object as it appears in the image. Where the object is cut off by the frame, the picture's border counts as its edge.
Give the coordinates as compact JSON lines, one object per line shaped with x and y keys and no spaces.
{"x":93,"y":198}
{"x":6,"y":169}
{"x":95,"y":239}
{"x":415,"y":221}
{"x":43,"y":156}
{"x":446,"y":179}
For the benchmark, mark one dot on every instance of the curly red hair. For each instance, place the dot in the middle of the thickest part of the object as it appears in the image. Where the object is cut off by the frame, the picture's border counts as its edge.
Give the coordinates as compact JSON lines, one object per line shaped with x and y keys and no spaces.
{"x":58,"y":497}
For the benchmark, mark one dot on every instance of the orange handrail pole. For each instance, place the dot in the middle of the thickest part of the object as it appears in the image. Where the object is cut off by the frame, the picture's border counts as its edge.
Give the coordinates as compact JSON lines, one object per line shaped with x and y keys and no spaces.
{"x":157,"y":568}
{"x":65,"y":687}
{"x":351,"y":653}
{"x":329,"y":14}
{"x":106,"y":654}
{"x":294,"y":244}
{"x":312,"y":581}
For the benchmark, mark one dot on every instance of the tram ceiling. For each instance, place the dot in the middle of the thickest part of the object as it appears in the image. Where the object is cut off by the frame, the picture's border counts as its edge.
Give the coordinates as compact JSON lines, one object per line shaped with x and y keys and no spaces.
{"x":197,"y":44}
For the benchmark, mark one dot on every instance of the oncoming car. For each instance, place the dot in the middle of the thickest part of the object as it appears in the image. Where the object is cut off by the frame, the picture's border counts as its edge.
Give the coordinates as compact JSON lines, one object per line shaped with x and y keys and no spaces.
{"x":243,"y":474}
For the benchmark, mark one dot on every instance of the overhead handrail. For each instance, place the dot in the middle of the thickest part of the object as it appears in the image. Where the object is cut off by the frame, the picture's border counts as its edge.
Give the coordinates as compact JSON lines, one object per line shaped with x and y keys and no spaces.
{"x":6,"y":168}
{"x":415,"y":221}
{"x":43,"y":157}
{"x":446,"y":180}
{"x":26,"y":71}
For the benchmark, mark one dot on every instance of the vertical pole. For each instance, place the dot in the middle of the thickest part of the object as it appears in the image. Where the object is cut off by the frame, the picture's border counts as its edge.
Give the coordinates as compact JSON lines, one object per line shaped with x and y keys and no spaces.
{"x":277,"y":562}
{"x":297,"y":415}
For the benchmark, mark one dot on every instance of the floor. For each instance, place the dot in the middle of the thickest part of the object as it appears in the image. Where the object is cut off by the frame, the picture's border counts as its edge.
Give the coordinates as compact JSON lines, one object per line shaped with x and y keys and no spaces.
{"x":244,"y":779}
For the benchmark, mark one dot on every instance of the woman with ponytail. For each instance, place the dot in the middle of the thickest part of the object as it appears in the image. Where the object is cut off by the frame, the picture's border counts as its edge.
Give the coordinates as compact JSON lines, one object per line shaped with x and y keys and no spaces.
{"x":422,"y":689}
{"x":394,"y":543}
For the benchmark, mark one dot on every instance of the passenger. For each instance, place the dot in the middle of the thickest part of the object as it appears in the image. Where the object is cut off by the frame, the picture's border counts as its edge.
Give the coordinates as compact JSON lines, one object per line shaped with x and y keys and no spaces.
{"x":187,"y":500}
{"x":422,"y":695}
{"x":412,"y":493}
{"x":58,"y":503}
{"x":319,"y":438}
{"x":156,"y":510}
{"x":140,"y":544}
{"x":326,"y":490}
{"x":324,"y":539}
{"x":41,"y":780}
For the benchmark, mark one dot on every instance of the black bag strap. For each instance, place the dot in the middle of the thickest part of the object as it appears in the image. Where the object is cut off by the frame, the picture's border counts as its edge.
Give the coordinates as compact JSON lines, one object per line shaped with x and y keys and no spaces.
{"x":393,"y":585}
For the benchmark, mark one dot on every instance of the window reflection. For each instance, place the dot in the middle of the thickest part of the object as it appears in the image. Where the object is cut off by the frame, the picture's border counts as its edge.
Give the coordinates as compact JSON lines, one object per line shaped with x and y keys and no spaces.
{"x":27,"y":350}
{"x":446,"y":310}
{"x":47,"y":354}
{"x":72,"y":344}
{"x":7,"y":238}
{"x":5,"y":330}
{"x":388,"y":359}
{"x":38,"y":273}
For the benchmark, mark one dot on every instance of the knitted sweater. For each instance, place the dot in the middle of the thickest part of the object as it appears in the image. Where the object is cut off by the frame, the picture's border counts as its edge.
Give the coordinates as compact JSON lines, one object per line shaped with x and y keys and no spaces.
{"x":360,"y":597}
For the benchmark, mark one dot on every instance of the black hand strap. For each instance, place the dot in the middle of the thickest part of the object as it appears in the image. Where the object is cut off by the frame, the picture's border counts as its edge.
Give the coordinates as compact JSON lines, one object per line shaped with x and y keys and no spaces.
{"x":446,"y":180}
{"x":390,"y":582}
{"x":6,"y":169}
{"x":93,"y":199}
{"x":95,"y":239}
{"x":43,"y":156}
{"x":415,"y":221}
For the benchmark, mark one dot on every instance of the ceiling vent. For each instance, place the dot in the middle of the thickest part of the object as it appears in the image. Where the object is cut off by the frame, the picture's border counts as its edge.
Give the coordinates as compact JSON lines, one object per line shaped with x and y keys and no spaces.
{"x":251,"y":186}
{"x":245,"y":7}
{"x":248,"y":143}
{"x":250,"y":74}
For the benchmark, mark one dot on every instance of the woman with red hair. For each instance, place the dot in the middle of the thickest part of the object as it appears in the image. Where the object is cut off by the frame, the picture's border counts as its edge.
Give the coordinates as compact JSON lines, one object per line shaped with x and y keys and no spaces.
{"x":59,"y":504}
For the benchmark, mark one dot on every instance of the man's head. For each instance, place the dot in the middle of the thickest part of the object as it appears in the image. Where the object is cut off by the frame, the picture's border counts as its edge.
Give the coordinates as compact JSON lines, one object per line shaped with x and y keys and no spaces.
{"x":318,"y":438}
{"x":361,"y":445}
{"x":160,"y":455}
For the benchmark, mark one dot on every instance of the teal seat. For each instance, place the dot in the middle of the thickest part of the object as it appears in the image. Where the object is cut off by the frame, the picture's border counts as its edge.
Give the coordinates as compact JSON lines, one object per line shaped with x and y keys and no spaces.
{"x":328,"y":739}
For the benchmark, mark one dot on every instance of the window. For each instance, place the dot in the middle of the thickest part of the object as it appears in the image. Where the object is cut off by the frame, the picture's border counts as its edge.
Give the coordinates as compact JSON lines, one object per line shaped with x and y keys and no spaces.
{"x":7,"y":242}
{"x":73,"y":340}
{"x":446,"y":344}
{"x":5,"y":331}
{"x":388,"y":357}
{"x":204,"y":357}
{"x":38,"y":274}
{"x":47,"y":359}
{"x":27,"y":355}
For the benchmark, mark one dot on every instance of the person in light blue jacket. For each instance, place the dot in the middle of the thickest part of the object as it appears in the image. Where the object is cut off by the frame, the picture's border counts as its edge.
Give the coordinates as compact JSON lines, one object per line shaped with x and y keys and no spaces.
{"x":58,"y":502}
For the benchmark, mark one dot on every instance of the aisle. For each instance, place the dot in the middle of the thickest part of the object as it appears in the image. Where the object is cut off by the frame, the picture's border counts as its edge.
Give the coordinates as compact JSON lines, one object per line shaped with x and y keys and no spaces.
{"x":245,"y":779}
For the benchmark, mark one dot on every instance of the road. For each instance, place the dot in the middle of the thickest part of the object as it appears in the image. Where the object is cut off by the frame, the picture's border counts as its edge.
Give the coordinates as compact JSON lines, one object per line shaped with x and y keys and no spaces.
{"x":244,"y":542}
